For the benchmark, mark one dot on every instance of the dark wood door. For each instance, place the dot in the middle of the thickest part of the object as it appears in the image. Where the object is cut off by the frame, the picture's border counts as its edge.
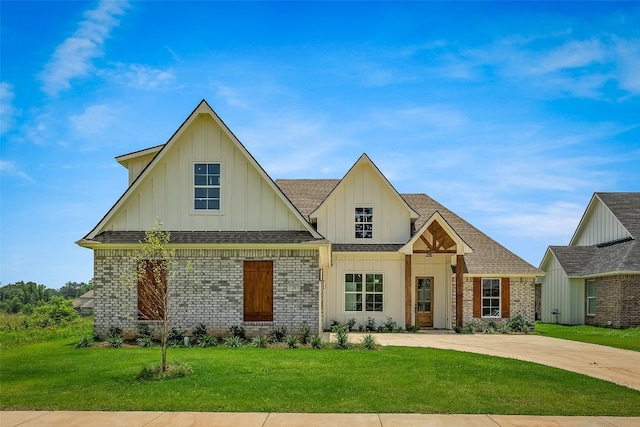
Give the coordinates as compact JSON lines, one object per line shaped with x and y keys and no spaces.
{"x":424,"y":301}
{"x":258,"y":291}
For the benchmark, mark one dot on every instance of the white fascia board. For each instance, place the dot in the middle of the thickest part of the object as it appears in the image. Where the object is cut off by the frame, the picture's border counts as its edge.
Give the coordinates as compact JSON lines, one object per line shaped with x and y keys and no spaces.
{"x":124,"y":158}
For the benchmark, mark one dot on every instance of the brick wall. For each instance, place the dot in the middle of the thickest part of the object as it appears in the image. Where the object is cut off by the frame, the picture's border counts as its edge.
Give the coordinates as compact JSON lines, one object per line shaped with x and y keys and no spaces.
{"x":617,"y":301}
{"x":211,"y":291}
{"x":522,"y":301}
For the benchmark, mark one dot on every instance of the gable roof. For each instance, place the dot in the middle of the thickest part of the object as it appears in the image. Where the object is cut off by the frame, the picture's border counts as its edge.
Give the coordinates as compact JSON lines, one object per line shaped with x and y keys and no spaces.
{"x":365,"y":160}
{"x":488,"y":257}
{"x":202,"y":108}
{"x":618,"y":256}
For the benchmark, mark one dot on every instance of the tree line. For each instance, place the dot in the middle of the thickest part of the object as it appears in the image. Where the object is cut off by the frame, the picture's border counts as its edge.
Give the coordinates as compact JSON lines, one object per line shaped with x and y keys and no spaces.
{"x":24,"y":297}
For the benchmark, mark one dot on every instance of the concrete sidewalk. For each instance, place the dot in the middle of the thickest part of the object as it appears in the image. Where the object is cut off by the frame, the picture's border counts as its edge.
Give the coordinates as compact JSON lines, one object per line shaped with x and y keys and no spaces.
{"x":221,"y":419}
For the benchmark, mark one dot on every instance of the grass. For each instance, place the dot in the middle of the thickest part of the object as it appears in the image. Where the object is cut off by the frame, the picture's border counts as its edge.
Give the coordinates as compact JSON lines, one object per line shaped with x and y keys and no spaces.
{"x":628,"y":339}
{"x":55,"y":375}
{"x":17,"y":330}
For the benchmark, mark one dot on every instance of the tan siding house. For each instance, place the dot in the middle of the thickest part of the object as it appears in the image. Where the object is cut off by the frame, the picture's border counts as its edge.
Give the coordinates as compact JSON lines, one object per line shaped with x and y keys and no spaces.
{"x":330,"y":249}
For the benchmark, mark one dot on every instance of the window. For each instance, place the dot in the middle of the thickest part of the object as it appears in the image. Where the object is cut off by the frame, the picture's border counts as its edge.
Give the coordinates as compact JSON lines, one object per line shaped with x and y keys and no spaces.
{"x":363,"y":292}
{"x":364,"y":223}
{"x":152,"y":290}
{"x":206,"y":180}
{"x":490,"y":297}
{"x":591,"y":297}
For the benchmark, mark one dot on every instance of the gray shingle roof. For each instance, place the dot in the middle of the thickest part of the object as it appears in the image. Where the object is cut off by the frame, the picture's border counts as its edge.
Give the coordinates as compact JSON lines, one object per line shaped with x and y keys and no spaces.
{"x":183,"y":237}
{"x":626,"y":207}
{"x":488,"y":257}
{"x":341,"y":247}
{"x":618,"y":256}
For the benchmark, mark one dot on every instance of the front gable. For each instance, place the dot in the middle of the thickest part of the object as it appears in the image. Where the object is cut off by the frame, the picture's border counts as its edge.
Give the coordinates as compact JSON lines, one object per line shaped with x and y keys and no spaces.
{"x":598,"y":225}
{"x":364,"y":208}
{"x":436,"y":236}
{"x":248,"y":200}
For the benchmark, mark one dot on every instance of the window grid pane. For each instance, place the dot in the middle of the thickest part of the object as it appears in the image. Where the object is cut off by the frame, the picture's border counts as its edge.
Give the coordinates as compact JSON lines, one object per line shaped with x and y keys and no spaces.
{"x":206,"y":179}
{"x":363,"y":292}
{"x":364,"y":223}
{"x":490,"y":297}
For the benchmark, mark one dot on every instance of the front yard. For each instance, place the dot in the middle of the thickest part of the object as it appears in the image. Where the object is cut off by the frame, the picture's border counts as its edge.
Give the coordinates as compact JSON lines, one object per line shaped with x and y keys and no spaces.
{"x":56,"y":376}
{"x":628,"y":339}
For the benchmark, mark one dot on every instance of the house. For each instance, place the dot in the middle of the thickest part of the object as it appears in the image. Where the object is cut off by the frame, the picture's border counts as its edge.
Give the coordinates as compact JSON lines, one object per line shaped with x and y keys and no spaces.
{"x":596,"y":279}
{"x":270,"y":254}
{"x":84,"y":304}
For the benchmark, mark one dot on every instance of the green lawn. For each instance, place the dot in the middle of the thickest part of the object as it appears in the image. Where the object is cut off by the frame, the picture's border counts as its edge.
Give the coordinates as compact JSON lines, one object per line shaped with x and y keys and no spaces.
{"x":621,"y":338}
{"x":55,"y":375}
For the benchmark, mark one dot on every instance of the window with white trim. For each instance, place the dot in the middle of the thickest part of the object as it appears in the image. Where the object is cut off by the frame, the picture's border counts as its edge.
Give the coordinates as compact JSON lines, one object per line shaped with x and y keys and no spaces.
{"x":206,"y":182}
{"x":363,"y":292}
{"x":591,"y":297}
{"x":490,"y":297}
{"x":364,"y":223}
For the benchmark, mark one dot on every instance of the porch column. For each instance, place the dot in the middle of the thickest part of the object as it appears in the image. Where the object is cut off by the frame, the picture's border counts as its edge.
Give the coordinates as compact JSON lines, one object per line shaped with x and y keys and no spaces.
{"x":407,"y":291}
{"x":459,"y":287}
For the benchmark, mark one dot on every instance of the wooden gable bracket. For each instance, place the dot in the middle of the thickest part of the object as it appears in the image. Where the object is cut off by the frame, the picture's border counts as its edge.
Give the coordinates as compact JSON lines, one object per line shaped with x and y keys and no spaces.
{"x":442,"y":242}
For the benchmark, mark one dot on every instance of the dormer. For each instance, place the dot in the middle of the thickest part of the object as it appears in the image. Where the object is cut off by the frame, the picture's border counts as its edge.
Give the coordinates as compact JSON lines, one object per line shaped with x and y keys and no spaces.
{"x":138,"y":160}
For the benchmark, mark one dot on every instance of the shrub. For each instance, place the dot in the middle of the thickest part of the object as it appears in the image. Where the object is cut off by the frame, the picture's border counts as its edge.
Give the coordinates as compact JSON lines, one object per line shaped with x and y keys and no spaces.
{"x":239,"y":332}
{"x":351,"y":323}
{"x":316,"y":342}
{"x":175,"y":338}
{"x":144,"y":330}
{"x":369,"y":342}
{"x":292,"y":341}
{"x":305,"y":333}
{"x":206,"y":341}
{"x":114,"y":342}
{"x":278,"y":334}
{"x":260,"y":341}
{"x":342,"y":336}
{"x":198,"y":332}
{"x":413,"y":328}
{"x":154,"y":373}
{"x":84,"y":342}
{"x":57,"y":312}
{"x":114,"y":332}
{"x":389,"y":326}
{"x":233,"y":342}
{"x":518,"y":324}
{"x":370,"y":325}
{"x":145,"y":342}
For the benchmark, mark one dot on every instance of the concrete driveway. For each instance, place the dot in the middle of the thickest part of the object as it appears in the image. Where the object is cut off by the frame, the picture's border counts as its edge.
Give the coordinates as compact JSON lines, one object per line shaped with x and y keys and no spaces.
{"x":607,"y":363}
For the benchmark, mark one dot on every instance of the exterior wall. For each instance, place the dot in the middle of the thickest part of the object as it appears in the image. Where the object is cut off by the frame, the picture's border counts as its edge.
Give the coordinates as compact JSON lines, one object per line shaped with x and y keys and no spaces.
{"x":248,"y":200}
{"x":560,"y":293}
{"x":599,"y":225}
{"x":137,"y":165}
{"x":363,"y":187}
{"x":617,"y":301}
{"x":389,"y":264}
{"x":212,"y":291}
{"x":522,"y":300}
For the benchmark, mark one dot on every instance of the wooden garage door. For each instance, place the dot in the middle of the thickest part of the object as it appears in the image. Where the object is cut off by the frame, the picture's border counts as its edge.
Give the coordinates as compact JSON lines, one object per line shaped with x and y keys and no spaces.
{"x":258,"y":291}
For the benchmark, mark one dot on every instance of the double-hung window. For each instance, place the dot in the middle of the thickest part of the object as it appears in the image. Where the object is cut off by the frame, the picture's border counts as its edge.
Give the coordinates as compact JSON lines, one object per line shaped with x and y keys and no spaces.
{"x":591,"y":297}
{"x":364,"y":223}
{"x":490,"y":297}
{"x":363,"y":292}
{"x":206,"y":180}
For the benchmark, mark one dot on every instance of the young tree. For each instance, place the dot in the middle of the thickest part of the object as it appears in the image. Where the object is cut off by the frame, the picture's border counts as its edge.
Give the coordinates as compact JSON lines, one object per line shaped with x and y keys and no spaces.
{"x":156,"y":273}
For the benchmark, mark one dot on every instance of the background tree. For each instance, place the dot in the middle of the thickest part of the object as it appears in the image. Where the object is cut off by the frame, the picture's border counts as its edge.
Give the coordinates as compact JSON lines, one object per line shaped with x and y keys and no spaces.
{"x":73,"y":290}
{"x":21,"y":296}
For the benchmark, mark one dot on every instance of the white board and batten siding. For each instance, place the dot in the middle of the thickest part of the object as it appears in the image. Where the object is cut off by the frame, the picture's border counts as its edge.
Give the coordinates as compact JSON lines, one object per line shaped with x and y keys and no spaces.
{"x":248,"y":200}
{"x":598,"y":226}
{"x":364,"y":187}
{"x":390,"y":265}
{"x":559,"y":292}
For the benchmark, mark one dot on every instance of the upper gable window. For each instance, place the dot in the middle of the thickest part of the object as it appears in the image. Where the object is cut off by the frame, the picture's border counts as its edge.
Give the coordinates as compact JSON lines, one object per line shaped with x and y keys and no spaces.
{"x":206,"y":180}
{"x":364,"y":223}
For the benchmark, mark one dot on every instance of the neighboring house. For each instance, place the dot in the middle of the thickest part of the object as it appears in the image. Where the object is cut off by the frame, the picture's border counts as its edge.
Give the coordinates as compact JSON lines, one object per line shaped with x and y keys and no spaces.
{"x":596,"y":279}
{"x":84,"y":304}
{"x":270,"y":254}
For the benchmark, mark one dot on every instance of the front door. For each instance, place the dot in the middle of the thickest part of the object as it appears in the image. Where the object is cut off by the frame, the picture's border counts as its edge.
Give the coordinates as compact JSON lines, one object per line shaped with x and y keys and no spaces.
{"x":424,"y":301}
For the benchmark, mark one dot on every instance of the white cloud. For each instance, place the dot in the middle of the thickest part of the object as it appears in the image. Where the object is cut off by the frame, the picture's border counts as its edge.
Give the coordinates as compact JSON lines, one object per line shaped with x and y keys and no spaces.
{"x":553,"y":223}
{"x":628,"y":58}
{"x":9,"y":168}
{"x":74,"y":56}
{"x":141,"y":76}
{"x":573,"y":54}
{"x":7,"y":110}
{"x":93,"y":125}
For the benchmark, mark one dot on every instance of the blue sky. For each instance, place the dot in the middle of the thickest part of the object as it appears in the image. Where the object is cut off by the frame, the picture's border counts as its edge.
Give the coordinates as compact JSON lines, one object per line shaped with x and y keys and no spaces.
{"x":509,"y":114}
